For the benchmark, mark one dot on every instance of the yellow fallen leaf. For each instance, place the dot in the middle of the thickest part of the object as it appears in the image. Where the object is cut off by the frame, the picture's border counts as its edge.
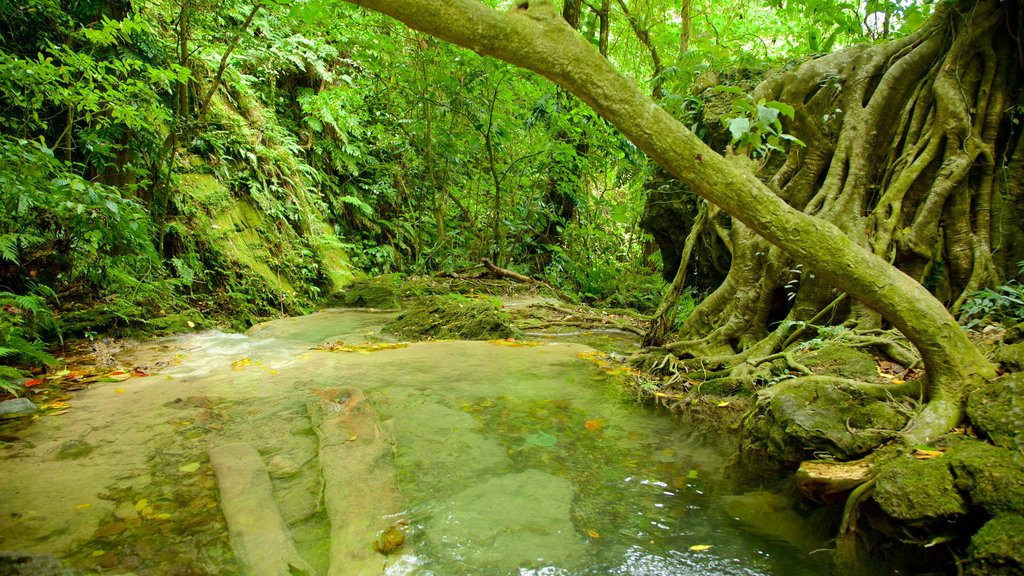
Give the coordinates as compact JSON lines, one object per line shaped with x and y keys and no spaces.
{"x":141,"y":504}
{"x":241,"y":364}
{"x":84,"y":506}
{"x":189,"y":468}
{"x":119,"y":390}
{"x":191,"y":324}
{"x":593,"y":533}
{"x":926,"y":454}
{"x":271,"y":371}
{"x":722,"y":404}
{"x":98,"y":553}
{"x":115,"y":377}
{"x":699,"y":547}
{"x":898,"y":381}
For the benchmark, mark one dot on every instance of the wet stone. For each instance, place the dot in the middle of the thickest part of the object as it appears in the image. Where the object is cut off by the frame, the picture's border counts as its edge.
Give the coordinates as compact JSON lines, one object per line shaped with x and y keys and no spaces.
{"x":22,"y":564}
{"x":74,"y":449}
{"x":16,"y":407}
{"x":283,"y":467}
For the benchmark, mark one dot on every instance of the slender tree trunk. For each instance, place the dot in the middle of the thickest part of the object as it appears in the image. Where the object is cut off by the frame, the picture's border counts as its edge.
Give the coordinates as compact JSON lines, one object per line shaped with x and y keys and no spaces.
{"x":685,"y":25}
{"x":644,"y":37}
{"x":605,"y":23}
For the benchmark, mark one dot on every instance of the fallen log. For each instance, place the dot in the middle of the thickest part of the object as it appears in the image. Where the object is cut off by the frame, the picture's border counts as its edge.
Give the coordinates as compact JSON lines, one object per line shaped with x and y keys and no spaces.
{"x":506,"y":273}
{"x":258,"y":534}
{"x":359,"y":490}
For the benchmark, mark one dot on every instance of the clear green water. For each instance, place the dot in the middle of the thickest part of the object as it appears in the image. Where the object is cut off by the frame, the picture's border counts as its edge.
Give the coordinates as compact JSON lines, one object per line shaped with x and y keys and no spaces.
{"x":508,"y":460}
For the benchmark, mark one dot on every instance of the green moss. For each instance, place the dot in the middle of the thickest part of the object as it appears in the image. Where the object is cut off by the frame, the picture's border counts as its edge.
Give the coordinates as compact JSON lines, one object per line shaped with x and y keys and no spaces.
{"x":176,"y":323}
{"x":997,"y":410}
{"x":998,"y":548}
{"x":380,"y":292}
{"x":454,"y":317}
{"x":918,"y":491}
{"x":205,"y":189}
{"x":990,"y":476}
{"x":1011,"y":356}
{"x":836,"y":359}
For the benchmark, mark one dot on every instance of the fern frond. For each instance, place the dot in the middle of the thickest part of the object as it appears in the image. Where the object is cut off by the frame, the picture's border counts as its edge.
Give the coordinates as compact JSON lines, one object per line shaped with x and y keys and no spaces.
{"x":9,"y":247}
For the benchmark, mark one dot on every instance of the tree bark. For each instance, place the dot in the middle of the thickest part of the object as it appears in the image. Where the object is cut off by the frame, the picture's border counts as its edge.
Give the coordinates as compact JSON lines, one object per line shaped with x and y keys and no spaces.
{"x":534,"y":36}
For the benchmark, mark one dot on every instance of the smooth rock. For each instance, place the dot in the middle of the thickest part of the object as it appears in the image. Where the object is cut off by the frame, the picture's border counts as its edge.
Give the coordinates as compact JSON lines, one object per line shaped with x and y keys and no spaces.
{"x":17,"y":407}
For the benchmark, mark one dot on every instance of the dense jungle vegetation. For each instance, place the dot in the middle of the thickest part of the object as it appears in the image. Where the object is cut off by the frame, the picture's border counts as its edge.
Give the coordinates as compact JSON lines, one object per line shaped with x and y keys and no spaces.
{"x":189,"y":162}
{"x":756,"y":176}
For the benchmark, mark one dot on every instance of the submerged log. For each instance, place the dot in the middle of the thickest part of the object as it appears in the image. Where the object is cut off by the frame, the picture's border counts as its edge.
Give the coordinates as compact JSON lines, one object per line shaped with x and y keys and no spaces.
{"x":259,"y":536}
{"x":359,"y":490}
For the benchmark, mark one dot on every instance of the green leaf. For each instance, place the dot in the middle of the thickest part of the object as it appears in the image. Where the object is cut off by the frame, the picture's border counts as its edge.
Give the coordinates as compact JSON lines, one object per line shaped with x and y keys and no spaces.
{"x":766,"y":117}
{"x":785,"y":109}
{"x":738,"y":127}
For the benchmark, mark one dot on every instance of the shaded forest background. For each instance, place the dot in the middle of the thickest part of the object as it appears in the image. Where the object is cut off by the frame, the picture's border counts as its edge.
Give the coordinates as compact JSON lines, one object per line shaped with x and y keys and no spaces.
{"x":165,"y":164}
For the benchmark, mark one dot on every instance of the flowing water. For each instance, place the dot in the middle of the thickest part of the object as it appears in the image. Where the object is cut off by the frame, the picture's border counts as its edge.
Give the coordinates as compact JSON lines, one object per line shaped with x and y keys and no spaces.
{"x":507,"y":460}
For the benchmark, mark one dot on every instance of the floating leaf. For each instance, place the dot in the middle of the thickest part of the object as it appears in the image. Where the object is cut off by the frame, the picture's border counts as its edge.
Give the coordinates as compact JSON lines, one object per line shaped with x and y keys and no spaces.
{"x":513,"y":343}
{"x":241,"y":364}
{"x":116,"y":376}
{"x":189,"y":468}
{"x":692,"y":474}
{"x":700,"y":547}
{"x":541,"y":439}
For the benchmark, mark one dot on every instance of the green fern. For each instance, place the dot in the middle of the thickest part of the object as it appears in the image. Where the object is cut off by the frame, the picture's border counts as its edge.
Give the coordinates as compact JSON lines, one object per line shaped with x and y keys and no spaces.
{"x":10,"y":379}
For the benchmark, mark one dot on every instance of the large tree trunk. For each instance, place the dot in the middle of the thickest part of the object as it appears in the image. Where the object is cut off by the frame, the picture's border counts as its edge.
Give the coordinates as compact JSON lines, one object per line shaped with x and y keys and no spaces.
{"x":534,"y":36}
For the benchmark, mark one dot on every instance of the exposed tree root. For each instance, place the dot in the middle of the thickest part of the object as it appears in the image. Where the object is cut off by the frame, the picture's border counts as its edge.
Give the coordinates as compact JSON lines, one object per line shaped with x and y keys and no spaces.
{"x":906,"y":141}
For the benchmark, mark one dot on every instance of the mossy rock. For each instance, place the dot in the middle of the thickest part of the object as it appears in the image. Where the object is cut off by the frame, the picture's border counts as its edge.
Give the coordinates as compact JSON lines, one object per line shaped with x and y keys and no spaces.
{"x":1011,"y":356}
{"x":127,"y":319}
{"x":836,"y":359}
{"x":918,"y":492}
{"x":989,"y":476}
{"x":454,"y":317}
{"x":100,"y":319}
{"x":380,"y":292}
{"x":796,"y":420}
{"x":998,"y":548}
{"x":176,"y":323}
{"x":997,"y":410}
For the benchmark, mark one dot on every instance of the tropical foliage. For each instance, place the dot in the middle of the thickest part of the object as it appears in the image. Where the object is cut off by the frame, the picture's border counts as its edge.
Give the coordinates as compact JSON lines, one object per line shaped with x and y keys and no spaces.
{"x":138,"y":140}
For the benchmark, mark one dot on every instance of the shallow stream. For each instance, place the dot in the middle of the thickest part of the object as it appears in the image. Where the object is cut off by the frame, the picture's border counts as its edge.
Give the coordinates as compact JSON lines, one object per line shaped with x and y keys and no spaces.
{"x":522,"y":460}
